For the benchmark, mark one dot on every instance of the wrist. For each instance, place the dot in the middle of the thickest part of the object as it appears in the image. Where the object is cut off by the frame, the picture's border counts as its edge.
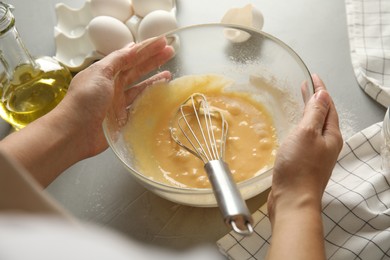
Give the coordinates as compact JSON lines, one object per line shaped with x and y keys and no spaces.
{"x":297,"y":233}
{"x":284,"y":203}
{"x":296,"y":212}
{"x":66,"y":134}
{"x":45,"y":147}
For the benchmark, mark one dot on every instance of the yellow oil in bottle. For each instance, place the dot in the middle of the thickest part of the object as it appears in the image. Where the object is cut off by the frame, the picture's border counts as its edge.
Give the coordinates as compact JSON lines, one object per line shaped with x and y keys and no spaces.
{"x":33,"y":92}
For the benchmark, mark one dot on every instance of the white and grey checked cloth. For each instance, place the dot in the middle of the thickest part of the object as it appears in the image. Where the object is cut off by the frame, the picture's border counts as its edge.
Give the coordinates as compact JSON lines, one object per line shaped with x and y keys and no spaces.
{"x":356,"y":207}
{"x":369,"y":35}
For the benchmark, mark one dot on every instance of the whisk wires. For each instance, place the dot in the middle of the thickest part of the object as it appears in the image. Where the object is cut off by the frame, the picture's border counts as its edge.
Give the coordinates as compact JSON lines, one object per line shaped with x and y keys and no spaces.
{"x":199,"y":123}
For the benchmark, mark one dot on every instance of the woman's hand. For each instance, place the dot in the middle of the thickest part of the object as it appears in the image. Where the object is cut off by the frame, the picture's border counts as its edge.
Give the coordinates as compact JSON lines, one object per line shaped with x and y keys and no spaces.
{"x":104,"y":85}
{"x":303,"y":166}
{"x":306,"y":159}
{"x":73,"y":130}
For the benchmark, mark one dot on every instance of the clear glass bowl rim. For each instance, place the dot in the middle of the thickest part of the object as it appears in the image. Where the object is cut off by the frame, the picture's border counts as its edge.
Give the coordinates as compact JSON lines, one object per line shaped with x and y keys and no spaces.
{"x":169,"y":188}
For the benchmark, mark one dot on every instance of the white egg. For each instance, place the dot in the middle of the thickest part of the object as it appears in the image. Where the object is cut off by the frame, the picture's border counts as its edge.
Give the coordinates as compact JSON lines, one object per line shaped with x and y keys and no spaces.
{"x":144,"y":7}
{"x":155,"y":24}
{"x":248,"y":16}
{"x":119,"y":9}
{"x":108,"y":34}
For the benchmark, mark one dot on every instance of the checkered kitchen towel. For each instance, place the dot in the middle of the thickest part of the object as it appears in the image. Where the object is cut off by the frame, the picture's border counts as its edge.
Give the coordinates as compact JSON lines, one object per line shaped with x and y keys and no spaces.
{"x":369,"y":34}
{"x":356,"y":207}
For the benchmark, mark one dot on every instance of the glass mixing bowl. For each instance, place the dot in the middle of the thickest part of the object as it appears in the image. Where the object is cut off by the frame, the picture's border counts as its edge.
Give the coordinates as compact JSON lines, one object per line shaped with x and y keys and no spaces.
{"x":241,"y":54}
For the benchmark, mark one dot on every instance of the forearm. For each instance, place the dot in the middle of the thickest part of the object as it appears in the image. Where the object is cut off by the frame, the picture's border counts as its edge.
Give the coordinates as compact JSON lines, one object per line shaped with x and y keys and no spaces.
{"x":297,"y":234}
{"x":45,"y":148}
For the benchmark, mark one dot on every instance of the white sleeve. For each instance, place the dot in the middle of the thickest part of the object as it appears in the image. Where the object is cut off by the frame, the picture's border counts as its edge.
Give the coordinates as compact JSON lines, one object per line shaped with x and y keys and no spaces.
{"x":44,"y":237}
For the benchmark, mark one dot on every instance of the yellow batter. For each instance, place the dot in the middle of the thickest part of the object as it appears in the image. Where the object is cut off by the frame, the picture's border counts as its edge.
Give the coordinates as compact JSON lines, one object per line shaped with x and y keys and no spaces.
{"x":251,"y":143}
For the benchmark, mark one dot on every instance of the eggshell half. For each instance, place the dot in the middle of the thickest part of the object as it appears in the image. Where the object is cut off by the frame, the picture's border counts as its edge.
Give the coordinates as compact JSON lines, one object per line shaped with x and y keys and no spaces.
{"x":248,"y":16}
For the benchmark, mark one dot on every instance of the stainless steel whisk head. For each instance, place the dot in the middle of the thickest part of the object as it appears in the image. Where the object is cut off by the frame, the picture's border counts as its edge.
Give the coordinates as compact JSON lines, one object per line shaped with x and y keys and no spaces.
{"x":198,"y":124}
{"x":203,"y":132}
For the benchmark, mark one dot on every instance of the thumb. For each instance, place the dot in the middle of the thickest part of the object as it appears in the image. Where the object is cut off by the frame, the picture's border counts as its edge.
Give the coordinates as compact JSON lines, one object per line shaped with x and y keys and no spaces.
{"x":316,"y":110}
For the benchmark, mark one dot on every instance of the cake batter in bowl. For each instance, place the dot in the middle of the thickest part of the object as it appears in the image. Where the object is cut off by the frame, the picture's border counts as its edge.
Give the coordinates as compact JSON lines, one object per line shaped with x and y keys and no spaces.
{"x":261,"y":85}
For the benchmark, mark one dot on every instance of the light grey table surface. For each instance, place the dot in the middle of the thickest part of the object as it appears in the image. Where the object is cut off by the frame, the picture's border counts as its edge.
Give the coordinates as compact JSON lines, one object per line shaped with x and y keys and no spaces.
{"x":99,"y":189}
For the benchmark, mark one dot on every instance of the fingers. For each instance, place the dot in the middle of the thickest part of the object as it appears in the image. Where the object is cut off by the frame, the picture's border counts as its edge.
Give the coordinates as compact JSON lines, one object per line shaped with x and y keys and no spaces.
{"x":148,"y":50}
{"x":305,"y":91}
{"x":317,"y":108}
{"x":318,"y":83}
{"x":147,"y":42}
{"x":316,"y":111}
{"x":331,"y":128}
{"x":145,"y":66}
{"x":162,"y":76}
{"x":332,"y":131}
{"x":320,"y":114}
{"x":134,"y":56}
{"x":134,"y":91}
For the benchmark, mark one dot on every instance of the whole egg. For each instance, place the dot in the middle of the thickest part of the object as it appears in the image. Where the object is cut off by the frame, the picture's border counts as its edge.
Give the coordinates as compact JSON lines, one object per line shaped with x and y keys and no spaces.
{"x":155,"y":24}
{"x":108,"y":34}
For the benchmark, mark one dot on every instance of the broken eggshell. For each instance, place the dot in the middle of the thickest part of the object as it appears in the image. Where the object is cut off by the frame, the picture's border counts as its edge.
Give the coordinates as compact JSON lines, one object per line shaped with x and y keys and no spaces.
{"x":248,"y":16}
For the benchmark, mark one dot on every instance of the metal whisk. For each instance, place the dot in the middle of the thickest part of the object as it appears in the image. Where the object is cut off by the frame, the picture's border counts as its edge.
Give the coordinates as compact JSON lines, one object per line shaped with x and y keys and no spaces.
{"x":199,"y":134}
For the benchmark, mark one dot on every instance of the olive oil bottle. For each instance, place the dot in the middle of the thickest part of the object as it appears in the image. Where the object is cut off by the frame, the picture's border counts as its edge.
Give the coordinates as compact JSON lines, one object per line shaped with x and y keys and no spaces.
{"x":29,"y":87}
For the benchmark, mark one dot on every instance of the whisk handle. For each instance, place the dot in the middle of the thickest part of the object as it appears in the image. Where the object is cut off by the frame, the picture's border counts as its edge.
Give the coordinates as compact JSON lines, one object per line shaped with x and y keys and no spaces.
{"x":232,"y":206}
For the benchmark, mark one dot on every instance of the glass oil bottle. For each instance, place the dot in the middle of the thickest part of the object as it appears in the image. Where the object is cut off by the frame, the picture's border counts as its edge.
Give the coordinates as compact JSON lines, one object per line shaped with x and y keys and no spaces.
{"x":29,"y":87}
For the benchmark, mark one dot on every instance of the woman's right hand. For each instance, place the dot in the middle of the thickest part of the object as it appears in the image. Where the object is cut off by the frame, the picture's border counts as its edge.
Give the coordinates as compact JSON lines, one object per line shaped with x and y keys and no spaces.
{"x":303,"y":166}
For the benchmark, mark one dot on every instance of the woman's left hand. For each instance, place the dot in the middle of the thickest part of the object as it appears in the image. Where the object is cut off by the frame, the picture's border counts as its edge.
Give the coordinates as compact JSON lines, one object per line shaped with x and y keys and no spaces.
{"x":73,"y":130}
{"x":104,"y":86}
